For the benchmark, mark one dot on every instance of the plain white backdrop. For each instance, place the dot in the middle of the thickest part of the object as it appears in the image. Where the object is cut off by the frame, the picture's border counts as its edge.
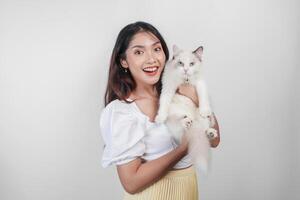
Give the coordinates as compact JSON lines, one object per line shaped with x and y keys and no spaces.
{"x":54,"y":58}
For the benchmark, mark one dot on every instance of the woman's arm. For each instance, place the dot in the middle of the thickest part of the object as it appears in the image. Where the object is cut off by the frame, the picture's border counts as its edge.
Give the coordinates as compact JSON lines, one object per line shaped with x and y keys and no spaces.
{"x":215,"y":142}
{"x":136,"y":175}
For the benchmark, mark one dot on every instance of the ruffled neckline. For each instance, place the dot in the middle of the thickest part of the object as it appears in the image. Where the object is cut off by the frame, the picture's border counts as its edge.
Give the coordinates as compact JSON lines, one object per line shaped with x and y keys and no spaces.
{"x":139,"y":112}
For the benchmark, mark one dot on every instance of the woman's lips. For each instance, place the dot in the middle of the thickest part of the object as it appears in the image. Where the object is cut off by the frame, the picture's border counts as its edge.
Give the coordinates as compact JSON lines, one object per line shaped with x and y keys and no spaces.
{"x":151,"y":71}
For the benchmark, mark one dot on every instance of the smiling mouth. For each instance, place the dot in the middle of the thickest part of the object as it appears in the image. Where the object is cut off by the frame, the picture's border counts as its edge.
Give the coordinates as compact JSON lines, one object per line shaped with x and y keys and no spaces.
{"x":151,"y":71}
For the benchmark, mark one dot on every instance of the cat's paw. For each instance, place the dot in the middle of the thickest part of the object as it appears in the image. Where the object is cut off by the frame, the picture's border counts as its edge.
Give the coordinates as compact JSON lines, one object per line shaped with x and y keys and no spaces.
{"x":186,"y":122}
{"x":211,"y":133}
{"x":205,"y":113}
{"x":160,"y":118}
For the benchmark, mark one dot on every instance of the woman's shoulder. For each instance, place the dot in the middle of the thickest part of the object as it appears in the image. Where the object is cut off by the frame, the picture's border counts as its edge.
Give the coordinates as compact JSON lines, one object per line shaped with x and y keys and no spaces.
{"x":127,"y":111}
{"x":119,"y":109}
{"x":117,"y":105}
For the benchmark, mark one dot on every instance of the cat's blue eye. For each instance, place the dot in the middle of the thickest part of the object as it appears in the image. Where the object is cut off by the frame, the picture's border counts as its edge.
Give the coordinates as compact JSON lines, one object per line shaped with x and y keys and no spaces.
{"x":192,"y":64}
{"x":180,"y":63}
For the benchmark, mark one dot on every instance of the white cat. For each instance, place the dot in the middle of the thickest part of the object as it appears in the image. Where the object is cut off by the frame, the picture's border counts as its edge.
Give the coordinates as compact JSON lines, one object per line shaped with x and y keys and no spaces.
{"x":179,"y":112}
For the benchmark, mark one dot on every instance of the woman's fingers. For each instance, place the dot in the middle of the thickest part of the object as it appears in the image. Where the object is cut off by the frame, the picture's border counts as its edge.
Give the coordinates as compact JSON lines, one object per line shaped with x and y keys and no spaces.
{"x":189,"y":91}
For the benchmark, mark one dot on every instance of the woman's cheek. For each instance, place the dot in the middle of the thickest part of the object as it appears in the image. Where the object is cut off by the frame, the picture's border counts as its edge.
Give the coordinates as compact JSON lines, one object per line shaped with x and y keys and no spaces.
{"x":163,"y":57}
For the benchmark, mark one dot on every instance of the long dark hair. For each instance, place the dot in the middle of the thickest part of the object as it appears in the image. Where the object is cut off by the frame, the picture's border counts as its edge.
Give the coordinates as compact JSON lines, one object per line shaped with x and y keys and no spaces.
{"x":120,"y":83}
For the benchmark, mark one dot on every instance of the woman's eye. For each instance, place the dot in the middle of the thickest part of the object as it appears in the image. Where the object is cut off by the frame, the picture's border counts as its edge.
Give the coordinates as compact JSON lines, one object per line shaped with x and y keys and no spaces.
{"x":192,"y":63}
{"x":138,"y":52}
{"x":157,"y":49}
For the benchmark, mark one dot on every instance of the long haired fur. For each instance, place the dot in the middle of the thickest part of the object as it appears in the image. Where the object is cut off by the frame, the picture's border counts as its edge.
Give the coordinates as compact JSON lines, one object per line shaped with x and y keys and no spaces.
{"x":179,"y":112}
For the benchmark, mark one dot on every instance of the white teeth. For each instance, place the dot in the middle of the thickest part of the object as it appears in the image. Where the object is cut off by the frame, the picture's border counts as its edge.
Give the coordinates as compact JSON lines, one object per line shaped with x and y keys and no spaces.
{"x":152,"y":69}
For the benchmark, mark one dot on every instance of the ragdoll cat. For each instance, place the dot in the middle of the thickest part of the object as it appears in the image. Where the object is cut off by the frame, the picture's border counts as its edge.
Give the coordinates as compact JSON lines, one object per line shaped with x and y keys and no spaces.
{"x":179,"y":112}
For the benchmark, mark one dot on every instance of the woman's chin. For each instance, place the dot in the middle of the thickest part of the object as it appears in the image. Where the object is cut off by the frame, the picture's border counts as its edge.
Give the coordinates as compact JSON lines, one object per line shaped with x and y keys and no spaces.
{"x":152,"y":80}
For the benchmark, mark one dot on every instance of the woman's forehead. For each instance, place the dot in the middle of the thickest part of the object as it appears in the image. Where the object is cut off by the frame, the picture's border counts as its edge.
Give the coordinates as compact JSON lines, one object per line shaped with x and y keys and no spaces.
{"x":143,"y":39}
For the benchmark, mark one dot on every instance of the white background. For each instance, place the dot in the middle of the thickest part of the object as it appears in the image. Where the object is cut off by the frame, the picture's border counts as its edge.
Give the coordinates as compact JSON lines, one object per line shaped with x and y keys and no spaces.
{"x":54,"y":58}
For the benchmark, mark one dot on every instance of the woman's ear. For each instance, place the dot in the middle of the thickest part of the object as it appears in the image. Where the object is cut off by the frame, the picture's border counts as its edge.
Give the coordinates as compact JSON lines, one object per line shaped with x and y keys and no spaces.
{"x":124,"y":63}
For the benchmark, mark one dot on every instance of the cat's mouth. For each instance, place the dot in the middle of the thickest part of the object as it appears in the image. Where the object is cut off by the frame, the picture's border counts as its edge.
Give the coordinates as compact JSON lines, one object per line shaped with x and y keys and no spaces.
{"x":186,"y":78}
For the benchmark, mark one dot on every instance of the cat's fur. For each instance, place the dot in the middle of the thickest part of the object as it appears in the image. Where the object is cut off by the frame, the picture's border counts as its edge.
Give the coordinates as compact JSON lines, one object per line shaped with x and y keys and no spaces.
{"x":179,"y":112}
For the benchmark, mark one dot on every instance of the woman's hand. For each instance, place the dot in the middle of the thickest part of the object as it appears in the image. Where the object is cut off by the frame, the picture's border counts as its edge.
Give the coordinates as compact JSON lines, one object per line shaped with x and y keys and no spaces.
{"x":189,"y":91}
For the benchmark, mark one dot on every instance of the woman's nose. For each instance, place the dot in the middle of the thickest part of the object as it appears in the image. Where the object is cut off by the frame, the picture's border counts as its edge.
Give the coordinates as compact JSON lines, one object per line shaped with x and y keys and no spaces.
{"x":150,"y":57}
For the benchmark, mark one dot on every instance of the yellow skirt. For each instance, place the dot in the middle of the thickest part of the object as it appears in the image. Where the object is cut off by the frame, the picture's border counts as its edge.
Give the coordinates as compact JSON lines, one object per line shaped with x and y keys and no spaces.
{"x":175,"y":185}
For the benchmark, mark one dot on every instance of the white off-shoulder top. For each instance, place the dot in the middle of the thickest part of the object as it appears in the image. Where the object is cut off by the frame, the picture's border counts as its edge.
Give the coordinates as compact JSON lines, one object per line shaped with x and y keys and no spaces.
{"x":128,"y":133}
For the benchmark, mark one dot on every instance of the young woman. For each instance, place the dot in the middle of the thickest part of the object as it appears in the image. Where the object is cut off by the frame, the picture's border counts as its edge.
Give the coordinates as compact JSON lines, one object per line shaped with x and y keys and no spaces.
{"x":150,"y":164}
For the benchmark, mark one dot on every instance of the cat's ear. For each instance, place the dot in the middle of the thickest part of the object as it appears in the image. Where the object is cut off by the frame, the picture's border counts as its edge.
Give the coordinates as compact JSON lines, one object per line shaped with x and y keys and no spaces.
{"x":175,"y":49}
{"x":198,"y":52}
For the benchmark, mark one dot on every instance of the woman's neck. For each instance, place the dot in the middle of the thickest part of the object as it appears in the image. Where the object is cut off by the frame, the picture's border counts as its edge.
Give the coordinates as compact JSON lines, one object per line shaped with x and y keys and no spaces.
{"x":144,"y":92}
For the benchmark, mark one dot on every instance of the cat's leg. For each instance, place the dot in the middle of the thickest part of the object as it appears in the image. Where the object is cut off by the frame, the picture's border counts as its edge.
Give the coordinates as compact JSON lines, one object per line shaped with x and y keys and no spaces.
{"x":205,"y":108}
{"x":165,"y":100}
{"x":211,"y":133}
{"x":182,"y":111}
{"x":186,"y":122}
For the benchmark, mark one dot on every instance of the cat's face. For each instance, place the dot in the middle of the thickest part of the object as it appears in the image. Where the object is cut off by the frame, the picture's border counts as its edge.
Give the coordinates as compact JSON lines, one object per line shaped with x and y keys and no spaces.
{"x":186,"y":62}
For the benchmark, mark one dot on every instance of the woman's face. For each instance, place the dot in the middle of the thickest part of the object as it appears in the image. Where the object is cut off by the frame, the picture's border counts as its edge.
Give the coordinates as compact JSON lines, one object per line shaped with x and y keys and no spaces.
{"x":145,"y":58}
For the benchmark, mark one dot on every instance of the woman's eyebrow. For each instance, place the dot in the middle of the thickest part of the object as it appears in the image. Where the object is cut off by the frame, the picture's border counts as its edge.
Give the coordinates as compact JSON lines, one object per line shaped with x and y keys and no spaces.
{"x":141,"y":46}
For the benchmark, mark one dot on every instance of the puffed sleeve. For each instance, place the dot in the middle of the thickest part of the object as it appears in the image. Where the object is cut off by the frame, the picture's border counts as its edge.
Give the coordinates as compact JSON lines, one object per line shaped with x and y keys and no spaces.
{"x":122,"y":133}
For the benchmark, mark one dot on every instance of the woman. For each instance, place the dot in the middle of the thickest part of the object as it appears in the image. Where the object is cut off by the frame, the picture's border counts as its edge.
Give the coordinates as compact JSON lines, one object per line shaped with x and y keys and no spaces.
{"x":150,"y":164}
